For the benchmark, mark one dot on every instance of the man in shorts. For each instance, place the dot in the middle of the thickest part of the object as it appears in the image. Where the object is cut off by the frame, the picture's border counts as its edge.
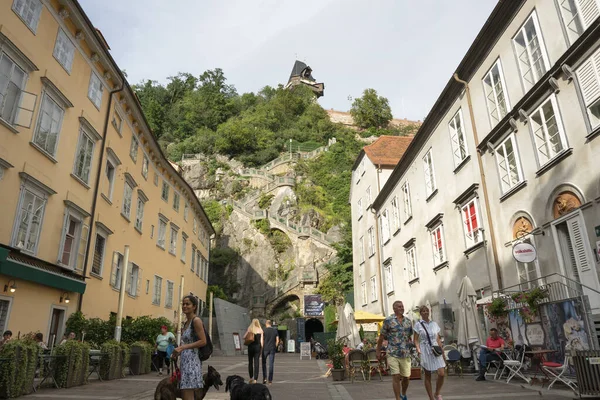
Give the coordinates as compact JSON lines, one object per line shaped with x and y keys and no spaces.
{"x":398,"y":331}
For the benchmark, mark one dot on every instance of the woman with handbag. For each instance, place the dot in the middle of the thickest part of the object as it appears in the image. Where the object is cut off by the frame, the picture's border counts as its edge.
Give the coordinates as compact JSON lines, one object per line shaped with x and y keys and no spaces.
{"x":432,"y":356}
{"x":253,"y":338}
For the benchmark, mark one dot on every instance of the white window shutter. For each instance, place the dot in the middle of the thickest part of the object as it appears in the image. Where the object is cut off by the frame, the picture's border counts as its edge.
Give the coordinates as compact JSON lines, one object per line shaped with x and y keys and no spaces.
{"x":129,"y":279}
{"x":139,"y":282}
{"x":589,"y":11}
{"x":113,"y":272}
{"x":85,"y":230}
{"x":62,"y":237}
{"x":588,"y":75}
{"x":579,"y":244}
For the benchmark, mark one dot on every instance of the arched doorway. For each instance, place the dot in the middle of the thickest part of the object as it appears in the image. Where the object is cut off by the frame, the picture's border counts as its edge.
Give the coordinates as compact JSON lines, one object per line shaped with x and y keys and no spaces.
{"x":312,"y":326}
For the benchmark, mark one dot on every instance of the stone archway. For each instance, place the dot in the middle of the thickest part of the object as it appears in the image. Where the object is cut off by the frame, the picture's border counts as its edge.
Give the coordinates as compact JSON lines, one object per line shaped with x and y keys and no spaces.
{"x":312,"y":326}
{"x":283,"y":304}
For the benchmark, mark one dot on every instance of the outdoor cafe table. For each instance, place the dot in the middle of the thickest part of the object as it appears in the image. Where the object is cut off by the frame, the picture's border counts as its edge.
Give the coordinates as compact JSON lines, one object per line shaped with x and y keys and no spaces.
{"x":538,"y":355}
{"x":49,"y":363}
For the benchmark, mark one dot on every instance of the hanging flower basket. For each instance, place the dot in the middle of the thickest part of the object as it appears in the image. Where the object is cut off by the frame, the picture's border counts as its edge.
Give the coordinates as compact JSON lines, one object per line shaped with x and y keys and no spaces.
{"x":496,"y":309}
{"x":529,"y":301}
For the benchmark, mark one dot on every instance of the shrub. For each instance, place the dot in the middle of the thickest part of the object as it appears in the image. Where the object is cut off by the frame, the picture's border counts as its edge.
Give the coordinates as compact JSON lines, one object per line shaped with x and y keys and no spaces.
{"x":71,"y":369}
{"x":17,"y":374}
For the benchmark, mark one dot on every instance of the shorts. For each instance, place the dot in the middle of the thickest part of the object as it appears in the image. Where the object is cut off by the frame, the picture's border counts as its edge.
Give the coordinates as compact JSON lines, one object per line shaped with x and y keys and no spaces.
{"x":399,"y":366}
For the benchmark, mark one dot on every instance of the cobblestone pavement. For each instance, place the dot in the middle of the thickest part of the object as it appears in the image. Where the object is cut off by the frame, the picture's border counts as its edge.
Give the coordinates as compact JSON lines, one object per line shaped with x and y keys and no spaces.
{"x":304,"y":379}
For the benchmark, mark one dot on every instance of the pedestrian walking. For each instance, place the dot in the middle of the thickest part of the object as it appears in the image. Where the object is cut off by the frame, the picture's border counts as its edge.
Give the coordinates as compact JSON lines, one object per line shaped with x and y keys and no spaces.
{"x":398,"y":331}
{"x":162,"y":343}
{"x":271,"y":341}
{"x":192,"y":338}
{"x":429,"y":346}
{"x":254,"y":339}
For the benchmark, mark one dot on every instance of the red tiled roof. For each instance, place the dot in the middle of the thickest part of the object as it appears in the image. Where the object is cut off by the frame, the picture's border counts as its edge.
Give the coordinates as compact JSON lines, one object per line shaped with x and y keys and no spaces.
{"x":387,"y":150}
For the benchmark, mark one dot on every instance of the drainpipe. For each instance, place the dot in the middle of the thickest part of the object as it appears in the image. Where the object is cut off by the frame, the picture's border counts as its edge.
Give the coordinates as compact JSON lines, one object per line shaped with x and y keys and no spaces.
{"x":97,"y":186}
{"x":483,"y":185}
{"x":380,"y":247}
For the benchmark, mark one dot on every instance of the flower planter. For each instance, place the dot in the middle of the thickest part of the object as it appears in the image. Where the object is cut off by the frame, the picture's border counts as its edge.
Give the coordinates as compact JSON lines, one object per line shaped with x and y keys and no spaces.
{"x":415,"y":373}
{"x":141,"y":358}
{"x":338,"y":374}
{"x":17,"y":370}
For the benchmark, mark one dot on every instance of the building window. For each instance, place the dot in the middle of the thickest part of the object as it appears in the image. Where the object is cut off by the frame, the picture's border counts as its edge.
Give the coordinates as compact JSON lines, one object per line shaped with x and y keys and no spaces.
{"x":99,"y":248}
{"x":385,"y":226}
{"x":183,"y":246}
{"x":49,"y":124}
{"x":83,"y":158}
{"x":389,"y":279}
{"x":206,"y":270}
{"x":29,"y":219}
{"x":165,"y":191}
{"x":411,"y":263}
{"x":133,"y":149}
{"x":373,"y":289}
{"x":155,"y":179}
{"x":145,"y":163}
{"x":495,"y":93}
{"x":548,"y":132}
{"x":371,"y":241}
{"x":195,"y":227}
{"x":470,"y":216}
{"x":169,"y":298}
{"x":360,"y":208}
{"x":507,"y":159}
{"x":117,"y":270}
{"x":458,"y":138}
{"x":117,"y":121}
{"x":362,"y":167}
{"x":578,"y":15}
{"x":437,"y":242}
{"x":71,"y":238}
{"x":430,"y":185}
{"x":133,"y":280}
{"x":364,"y":293}
{"x":176,"y":201}
{"x":29,"y":11}
{"x":12,"y":82}
{"x":162,"y":232}
{"x":157,"y":290}
{"x":361,"y":250}
{"x":64,"y":50}
{"x":110,"y":176}
{"x":369,"y":200}
{"x":528,"y":272}
{"x":531,"y":56}
{"x":198,"y":262}
{"x":127,"y":200}
{"x":173,"y":242}
{"x":186,"y":210}
{"x":95,"y":90}
{"x":193,"y":263}
{"x":396,"y":213}
{"x":406,"y":200}
{"x":588,"y":77}
{"x":139,"y":213}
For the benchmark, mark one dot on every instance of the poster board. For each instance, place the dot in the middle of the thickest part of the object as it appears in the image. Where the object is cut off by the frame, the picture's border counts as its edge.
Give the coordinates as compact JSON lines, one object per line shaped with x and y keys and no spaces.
{"x":291,"y":346}
{"x":305,"y":350}
{"x":236,"y":341}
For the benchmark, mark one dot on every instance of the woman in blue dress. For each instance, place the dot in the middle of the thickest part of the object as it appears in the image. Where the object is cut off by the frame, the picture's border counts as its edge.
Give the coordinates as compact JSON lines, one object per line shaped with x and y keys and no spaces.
{"x":429,"y":361}
{"x":191,"y":339}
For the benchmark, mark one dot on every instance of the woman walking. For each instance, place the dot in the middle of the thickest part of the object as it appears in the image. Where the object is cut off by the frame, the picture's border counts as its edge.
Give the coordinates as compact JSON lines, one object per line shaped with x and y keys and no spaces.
{"x":254,"y":349}
{"x":427,"y":335}
{"x":192,"y":338}
{"x":162,"y":342}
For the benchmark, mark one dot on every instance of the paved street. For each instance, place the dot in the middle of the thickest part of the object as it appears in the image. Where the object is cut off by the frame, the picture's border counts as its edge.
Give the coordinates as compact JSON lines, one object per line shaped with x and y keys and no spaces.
{"x":302,"y":379}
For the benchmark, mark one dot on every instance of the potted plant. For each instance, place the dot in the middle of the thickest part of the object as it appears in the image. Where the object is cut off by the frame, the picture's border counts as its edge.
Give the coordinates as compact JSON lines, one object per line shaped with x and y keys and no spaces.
{"x":335,"y":349}
{"x":496,"y":309}
{"x":529,"y":302}
{"x":415,"y":364}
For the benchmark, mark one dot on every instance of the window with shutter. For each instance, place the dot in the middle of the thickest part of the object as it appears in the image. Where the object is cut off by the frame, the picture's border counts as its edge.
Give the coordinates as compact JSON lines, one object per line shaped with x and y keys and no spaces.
{"x":29,"y":11}
{"x":64,"y":50}
{"x":406,"y":201}
{"x":373,"y":289}
{"x":507,"y":159}
{"x":361,"y":250}
{"x":132,"y":287}
{"x":578,"y":15}
{"x":364,"y":293}
{"x":430,"y":185}
{"x":588,"y":78}
{"x":115,"y":274}
{"x":437,"y":242}
{"x":495,"y":92}
{"x":95,"y":90}
{"x":29,"y":219}
{"x":127,"y":200}
{"x":471,"y":223}
{"x":133,"y":149}
{"x":169,"y":298}
{"x":162,"y":233}
{"x":98,"y":261}
{"x":389,"y":280}
{"x":83,"y":157}
{"x":411,"y":263}
{"x":458,"y":139}
{"x":548,"y":132}
{"x":156,"y":296}
{"x":396,"y":213}
{"x":371,"y":242}
{"x":385,"y":226}
{"x":531,"y":54}
{"x":12,"y":82}
{"x":193,"y":263}
{"x":49,"y":125}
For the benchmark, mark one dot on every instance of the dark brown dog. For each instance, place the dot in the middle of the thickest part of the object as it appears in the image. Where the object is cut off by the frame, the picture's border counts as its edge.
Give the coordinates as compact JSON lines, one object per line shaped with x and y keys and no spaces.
{"x":168,"y":391}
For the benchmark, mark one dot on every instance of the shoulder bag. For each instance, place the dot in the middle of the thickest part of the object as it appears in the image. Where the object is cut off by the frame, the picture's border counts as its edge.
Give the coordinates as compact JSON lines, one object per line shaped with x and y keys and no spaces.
{"x":248,"y":338}
{"x":436,"y":350}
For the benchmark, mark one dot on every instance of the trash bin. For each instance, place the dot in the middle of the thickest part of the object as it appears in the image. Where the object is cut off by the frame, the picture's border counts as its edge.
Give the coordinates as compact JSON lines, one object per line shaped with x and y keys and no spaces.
{"x":587,"y":369}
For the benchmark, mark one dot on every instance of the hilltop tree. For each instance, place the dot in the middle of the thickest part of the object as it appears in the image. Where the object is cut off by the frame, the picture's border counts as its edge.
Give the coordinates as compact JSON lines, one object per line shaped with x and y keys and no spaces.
{"x":371,"y":110}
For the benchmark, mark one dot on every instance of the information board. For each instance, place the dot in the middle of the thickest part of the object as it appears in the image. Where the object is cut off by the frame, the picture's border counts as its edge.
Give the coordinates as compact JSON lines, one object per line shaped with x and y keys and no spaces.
{"x":236,"y":341}
{"x":305,"y":350}
{"x":291,"y":346}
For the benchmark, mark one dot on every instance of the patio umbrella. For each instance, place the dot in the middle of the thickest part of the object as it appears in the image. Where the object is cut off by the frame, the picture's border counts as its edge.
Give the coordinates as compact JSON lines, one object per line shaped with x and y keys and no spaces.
{"x":468,"y":328}
{"x":347,"y":326}
{"x":342,"y":325}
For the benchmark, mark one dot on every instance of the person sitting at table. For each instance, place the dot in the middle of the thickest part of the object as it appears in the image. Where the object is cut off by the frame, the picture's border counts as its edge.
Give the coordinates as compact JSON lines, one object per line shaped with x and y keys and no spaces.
{"x":39,"y":338}
{"x":491,"y":352}
{"x":361,"y":345}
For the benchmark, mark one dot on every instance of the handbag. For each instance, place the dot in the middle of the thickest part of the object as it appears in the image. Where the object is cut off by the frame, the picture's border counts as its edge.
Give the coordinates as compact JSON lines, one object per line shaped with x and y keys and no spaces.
{"x":248,"y":338}
{"x":436,"y":350}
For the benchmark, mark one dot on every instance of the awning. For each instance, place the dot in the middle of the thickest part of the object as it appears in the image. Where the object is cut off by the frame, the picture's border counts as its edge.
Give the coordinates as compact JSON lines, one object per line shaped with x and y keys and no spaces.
{"x":18,"y":265}
{"x":364,"y":317}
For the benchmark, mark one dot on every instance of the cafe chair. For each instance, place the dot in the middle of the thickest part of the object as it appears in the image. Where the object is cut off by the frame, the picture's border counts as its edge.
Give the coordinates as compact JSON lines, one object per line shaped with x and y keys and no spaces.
{"x":374,"y":364}
{"x":453,"y":360}
{"x":356,"y":361}
{"x":558,"y":372}
{"x":515,"y":366}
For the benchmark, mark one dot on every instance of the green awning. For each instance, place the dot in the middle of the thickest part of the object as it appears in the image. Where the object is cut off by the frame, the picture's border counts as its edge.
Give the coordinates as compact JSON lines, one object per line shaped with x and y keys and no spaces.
{"x":18,"y":265}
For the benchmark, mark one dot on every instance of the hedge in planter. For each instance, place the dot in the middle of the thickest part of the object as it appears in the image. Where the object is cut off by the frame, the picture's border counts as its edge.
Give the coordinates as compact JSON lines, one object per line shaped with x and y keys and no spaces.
{"x":72,"y":369}
{"x":17,"y":374}
{"x":114,"y":357}
{"x":141,"y":358}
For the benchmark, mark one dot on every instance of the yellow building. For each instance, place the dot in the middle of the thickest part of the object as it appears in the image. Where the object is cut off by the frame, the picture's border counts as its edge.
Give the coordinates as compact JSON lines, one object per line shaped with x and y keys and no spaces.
{"x":81,"y":176}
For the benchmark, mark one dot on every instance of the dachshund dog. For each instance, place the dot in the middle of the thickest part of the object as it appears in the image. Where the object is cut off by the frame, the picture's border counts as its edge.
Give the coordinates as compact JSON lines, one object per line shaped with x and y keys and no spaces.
{"x":168,"y":391}
{"x":240,"y":390}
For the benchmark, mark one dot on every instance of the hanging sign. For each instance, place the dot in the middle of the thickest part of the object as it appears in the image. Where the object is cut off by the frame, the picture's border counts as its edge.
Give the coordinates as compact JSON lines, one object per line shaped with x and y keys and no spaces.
{"x":524,"y":252}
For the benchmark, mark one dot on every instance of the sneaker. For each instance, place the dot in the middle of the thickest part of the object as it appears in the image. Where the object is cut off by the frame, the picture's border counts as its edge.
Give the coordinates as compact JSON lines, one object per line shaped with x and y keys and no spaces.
{"x":480,"y":378}
{"x":270,"y":383}
{"x":264,"y":381}
{"x":403,"y":397}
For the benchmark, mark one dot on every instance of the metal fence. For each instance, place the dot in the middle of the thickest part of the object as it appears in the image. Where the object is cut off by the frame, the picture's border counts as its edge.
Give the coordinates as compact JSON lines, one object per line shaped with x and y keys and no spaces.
{"x":587,"y":370}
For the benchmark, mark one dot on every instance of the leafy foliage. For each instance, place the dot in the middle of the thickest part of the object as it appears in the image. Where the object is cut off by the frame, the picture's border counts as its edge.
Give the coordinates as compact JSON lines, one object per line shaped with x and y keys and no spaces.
{"x":265,"y":201}
{"x":17,"y":372}
{"x":371,"y":110}
{"x":223,"y":271}
{"x":340,"y":278}
{"x":71,"y":369}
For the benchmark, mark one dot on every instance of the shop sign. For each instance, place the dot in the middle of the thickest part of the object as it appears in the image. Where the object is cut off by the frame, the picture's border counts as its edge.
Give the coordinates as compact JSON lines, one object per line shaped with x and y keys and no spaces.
{"x":524,"y":252}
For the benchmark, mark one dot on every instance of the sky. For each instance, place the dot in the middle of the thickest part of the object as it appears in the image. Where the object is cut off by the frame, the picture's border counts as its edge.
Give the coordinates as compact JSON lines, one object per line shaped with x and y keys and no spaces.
{"x":407,"y":50}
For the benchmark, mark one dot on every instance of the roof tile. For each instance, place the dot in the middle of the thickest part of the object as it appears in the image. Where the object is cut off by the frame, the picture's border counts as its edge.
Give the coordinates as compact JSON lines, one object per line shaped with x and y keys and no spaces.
{"x":387,"y":150}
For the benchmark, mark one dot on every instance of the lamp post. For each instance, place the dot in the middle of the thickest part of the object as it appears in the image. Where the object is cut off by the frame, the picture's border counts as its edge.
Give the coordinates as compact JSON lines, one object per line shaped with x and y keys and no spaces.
{"x":122,"y":294}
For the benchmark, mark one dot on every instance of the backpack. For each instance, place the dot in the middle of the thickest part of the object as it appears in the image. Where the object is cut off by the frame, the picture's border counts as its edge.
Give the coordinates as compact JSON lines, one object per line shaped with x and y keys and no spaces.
{"x":205,"y":351}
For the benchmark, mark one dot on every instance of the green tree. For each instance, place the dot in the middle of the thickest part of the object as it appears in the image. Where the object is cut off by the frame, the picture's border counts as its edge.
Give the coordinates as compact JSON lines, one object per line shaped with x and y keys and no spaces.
{"x":371,"y":110}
